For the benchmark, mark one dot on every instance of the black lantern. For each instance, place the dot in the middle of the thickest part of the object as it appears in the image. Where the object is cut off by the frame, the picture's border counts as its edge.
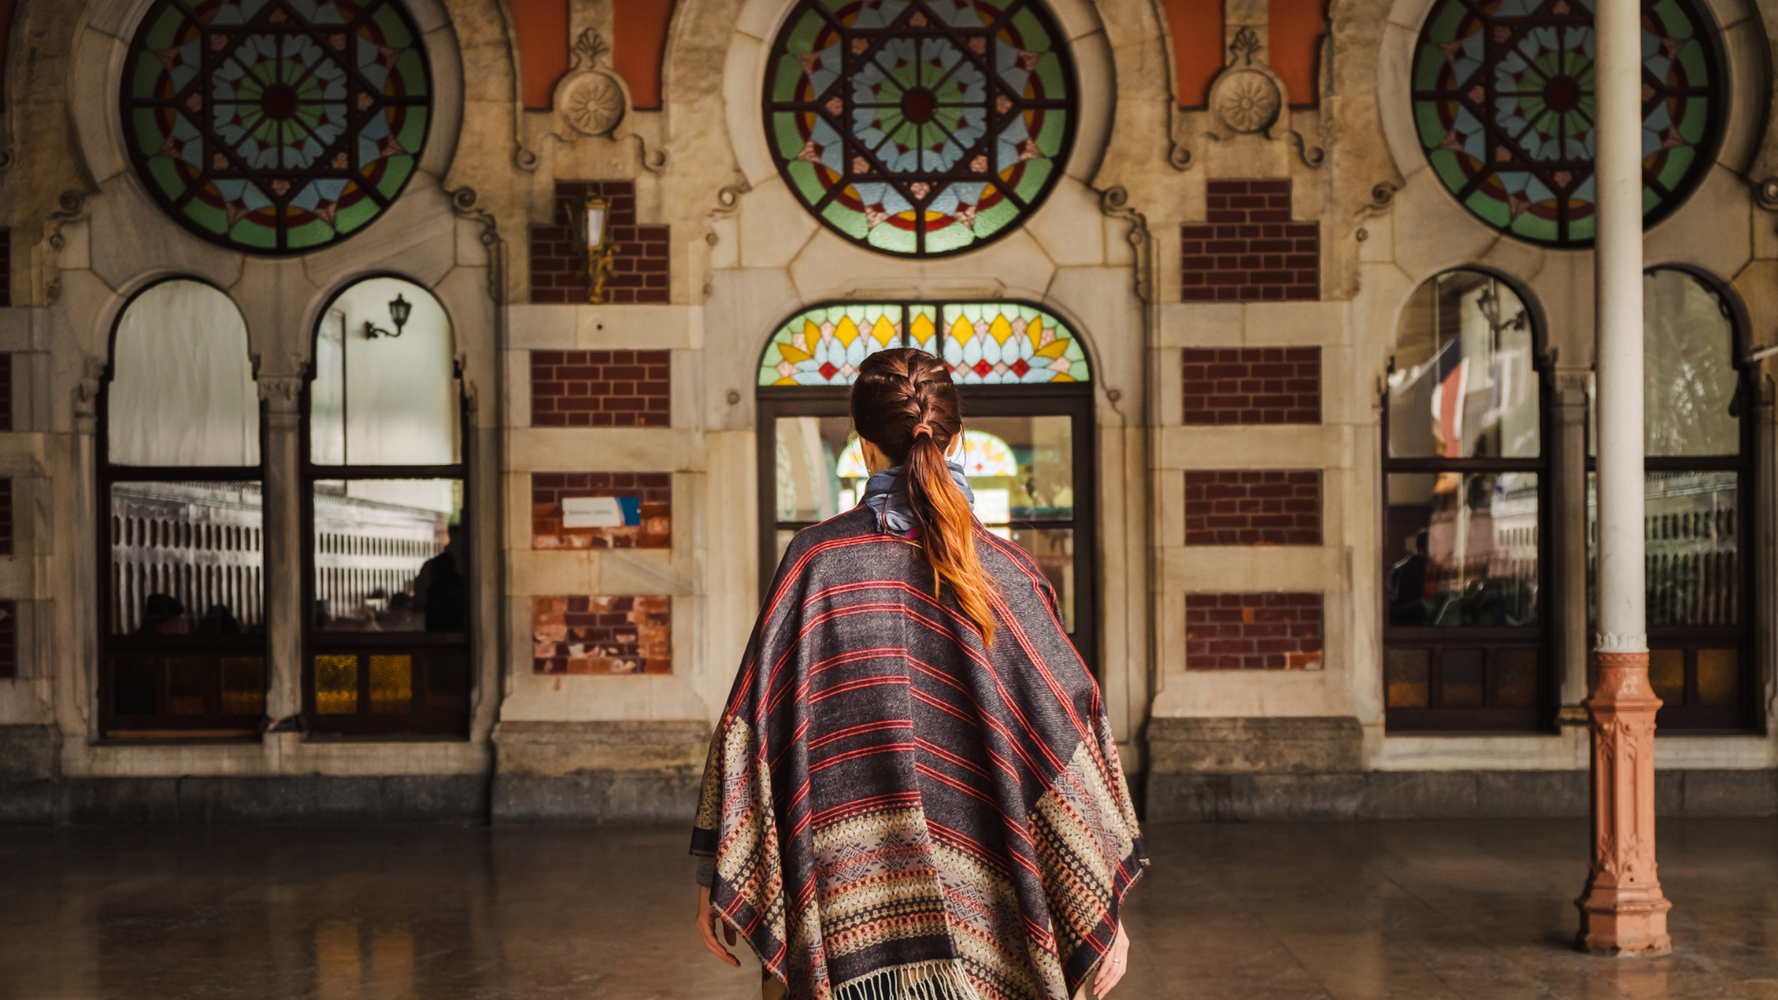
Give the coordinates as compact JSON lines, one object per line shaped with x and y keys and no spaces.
{"x":399,"y":310}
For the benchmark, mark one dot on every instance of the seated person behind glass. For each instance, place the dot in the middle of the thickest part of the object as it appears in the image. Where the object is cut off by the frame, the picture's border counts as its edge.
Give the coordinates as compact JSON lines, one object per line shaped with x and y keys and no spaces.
{"x":441,"y":588}
{"x":399,"y":616}
{"x":1407,"y":584}
{"x":162,"y":614}
{"x":221,"y":620}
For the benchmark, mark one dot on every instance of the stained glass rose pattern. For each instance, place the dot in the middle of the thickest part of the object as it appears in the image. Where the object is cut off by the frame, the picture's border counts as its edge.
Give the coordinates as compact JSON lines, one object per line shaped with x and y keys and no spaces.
{"x":920,"y":127}
{"x":1503,"y":102}
{"x":985,"y":343}
{"x":276,"y":126}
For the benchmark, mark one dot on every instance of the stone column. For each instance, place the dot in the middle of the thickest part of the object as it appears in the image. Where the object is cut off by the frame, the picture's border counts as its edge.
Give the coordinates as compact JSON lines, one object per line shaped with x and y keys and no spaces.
{"x":283,"y":549}
{"x":1622,"y":911}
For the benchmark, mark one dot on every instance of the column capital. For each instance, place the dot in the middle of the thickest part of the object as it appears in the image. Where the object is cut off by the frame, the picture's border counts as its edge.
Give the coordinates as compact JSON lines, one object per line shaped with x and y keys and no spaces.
{"x":282,"y":393}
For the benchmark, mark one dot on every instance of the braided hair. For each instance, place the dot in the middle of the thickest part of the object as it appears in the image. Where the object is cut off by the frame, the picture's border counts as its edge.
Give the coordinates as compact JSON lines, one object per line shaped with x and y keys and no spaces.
{"x":905,"y":403}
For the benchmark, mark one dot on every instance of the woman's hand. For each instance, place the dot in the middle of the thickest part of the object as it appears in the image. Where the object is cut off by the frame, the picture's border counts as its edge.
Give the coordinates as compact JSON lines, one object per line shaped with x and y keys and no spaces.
{"x":1112,"y":968}
{"x":707,"y":927}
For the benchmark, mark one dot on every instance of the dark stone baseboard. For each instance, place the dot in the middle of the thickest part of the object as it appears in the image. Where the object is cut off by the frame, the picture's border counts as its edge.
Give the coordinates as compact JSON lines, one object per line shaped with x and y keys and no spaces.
{"x":1364,"y":795}
{"x":282,"y":799}
{"x":30,"y":753}
{"x":598,"y":796}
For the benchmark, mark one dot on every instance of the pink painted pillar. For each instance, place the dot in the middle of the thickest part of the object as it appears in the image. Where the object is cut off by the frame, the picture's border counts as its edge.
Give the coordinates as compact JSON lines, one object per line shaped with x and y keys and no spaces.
{"x":1622,"y":911}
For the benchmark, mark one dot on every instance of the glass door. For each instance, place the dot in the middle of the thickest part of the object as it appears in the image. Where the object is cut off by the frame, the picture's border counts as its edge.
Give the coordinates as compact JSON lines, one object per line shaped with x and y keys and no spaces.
{"x":1028,"y":453}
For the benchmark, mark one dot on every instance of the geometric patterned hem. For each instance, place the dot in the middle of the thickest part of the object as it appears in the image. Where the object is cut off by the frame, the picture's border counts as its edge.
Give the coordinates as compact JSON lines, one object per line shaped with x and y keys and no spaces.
{"x":941,"y":979}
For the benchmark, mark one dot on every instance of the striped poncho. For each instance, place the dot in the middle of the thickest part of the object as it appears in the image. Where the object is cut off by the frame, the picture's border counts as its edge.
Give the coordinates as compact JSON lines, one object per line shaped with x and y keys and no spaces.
{"x":897,"y":811}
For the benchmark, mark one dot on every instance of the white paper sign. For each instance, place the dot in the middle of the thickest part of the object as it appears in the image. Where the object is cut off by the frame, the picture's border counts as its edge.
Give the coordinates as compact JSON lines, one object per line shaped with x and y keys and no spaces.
{"x":592,"y":512}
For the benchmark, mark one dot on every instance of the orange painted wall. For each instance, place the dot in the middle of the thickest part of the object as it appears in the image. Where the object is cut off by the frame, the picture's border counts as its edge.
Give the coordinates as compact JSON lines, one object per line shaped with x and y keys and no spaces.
{"x":1295,"y":27}
{"x":543,"y":47}
{"x":639,"y":46}
{"x":1196,"y":27}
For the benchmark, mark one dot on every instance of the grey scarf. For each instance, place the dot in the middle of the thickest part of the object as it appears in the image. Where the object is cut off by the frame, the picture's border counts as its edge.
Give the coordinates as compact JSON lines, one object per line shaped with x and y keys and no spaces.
{"x":885,"y":495}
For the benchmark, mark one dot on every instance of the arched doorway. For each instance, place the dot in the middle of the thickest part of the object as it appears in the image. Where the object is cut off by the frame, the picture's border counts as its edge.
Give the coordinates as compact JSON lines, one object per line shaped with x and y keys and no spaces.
{"x":1027,"y":410}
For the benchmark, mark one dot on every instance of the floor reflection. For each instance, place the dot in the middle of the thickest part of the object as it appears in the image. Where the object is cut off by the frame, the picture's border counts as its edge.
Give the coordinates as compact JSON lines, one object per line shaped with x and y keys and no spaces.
{"x":1422,"y":910}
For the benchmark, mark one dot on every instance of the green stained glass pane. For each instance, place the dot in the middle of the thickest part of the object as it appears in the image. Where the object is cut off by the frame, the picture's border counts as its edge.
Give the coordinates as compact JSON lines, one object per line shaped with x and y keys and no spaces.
{"x":847,"y":221}
{"x":281,"y":120}
{"x":824,"y":346}
{"x":908,"y":109}
{"x":993,"y":220}
{"x":1509,"y":128}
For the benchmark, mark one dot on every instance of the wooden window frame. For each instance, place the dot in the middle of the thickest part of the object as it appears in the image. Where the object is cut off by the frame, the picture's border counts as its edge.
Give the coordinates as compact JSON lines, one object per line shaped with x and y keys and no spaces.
{"x":1541,"y":717}
{"x":162,"y":726}
{"x":424,"y":647}
{"x":1747,"y":715}
{"x":1074,"y":400}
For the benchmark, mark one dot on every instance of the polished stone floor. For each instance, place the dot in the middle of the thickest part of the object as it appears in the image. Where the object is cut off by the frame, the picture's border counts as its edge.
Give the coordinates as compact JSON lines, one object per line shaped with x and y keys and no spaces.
{"x":1409,"y":910}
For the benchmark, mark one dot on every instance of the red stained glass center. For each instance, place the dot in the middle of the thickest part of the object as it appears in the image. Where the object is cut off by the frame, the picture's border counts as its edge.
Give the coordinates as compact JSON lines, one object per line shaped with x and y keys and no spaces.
{"x":279,"y":102}
{"x":1562,"y":93}
{"x":918,"y":105}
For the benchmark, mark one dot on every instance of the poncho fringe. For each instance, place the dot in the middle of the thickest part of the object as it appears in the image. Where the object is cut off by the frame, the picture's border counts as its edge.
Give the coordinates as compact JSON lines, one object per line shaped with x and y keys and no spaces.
{"x":900,"y":813}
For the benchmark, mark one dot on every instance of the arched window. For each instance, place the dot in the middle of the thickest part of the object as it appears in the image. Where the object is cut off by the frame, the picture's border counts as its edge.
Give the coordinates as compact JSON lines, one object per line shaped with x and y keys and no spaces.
{"x":1027,"y":414}
{"x":280,"y":131}
{"x":1699,"y":446}
{"x":1503,"y":103}
{"x":387,"y":585}
{"x":1464,"y":470}
{"x":183,"y":643}
{"x":920,"y":129}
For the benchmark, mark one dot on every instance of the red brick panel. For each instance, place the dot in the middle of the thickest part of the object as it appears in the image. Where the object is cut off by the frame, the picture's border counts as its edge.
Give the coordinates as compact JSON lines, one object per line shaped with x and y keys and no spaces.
{"x":1253,"y":385}
{"x":5,"y":267}
{"x":1253,"y":631}
{"x":600,"y":388}
{"x":638,"y":272}
{"x":1247,"y":249}
{"x":653,"y":489}
{"x":602,"y":635}
{"x":1253,"y":507}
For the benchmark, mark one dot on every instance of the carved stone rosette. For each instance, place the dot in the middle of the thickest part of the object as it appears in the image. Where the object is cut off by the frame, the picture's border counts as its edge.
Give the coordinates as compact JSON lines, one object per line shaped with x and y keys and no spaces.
{"x":1623,"y":911}
{"x":590,"y":98}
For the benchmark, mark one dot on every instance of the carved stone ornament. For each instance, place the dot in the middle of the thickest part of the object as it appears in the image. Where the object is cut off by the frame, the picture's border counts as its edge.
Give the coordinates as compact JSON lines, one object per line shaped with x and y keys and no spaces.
{"x":1246,"y":97}
{"x":590,"y":98}
{"x":1246,"y":100}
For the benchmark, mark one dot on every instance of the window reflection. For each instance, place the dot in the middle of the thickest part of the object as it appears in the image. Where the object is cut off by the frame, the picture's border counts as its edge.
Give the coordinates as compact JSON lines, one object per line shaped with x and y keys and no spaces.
{"x":1692,"y":406}
{"x":1467,"y":548}
{"x":186,"y":558}
{"x":390,"y":556}
{"x":382,"y":394}
{"x":1021,"y":470}
{"x":1463,"y":384}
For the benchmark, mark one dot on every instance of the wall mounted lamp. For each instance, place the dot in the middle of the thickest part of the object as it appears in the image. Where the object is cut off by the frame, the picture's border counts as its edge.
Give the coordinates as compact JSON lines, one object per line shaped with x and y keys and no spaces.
{"x":399,"y":311}
{"x":592,"y":224}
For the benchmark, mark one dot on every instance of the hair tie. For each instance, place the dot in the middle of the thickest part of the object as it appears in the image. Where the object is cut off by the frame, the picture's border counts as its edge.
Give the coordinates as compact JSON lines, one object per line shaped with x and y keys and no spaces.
{"x":921,"y":428}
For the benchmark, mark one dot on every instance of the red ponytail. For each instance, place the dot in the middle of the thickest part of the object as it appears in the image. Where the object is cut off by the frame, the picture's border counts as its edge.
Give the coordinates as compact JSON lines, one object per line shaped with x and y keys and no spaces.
{"x":905,"y":403}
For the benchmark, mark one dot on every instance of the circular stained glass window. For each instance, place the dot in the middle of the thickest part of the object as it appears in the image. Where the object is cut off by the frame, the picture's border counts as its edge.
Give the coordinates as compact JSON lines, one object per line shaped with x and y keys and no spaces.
{"x":1503,"y":101}
{"x":920,"y":128}
{"x":276,"y":126}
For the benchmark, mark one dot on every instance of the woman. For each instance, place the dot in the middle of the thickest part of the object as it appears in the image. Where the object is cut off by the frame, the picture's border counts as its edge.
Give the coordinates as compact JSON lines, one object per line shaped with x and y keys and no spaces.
{"x":913,"y":791}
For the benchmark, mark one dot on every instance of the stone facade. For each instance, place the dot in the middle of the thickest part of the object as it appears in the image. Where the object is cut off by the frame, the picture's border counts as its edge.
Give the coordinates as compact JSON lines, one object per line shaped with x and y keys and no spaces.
{"x":1276,"y":381}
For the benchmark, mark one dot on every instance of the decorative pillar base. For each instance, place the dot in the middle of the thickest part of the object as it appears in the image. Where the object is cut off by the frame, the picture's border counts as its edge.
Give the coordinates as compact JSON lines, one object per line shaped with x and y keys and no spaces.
{"x":1622,"y":912}
{"x":1623,"y":925}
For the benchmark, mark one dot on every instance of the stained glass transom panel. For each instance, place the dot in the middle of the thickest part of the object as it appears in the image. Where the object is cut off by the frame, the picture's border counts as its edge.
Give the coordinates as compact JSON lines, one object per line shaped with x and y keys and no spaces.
{"x":1503,"y":103}
{"x":276,"y":126}
{"x":1000,"y":343}
{"x":920,"y":127}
